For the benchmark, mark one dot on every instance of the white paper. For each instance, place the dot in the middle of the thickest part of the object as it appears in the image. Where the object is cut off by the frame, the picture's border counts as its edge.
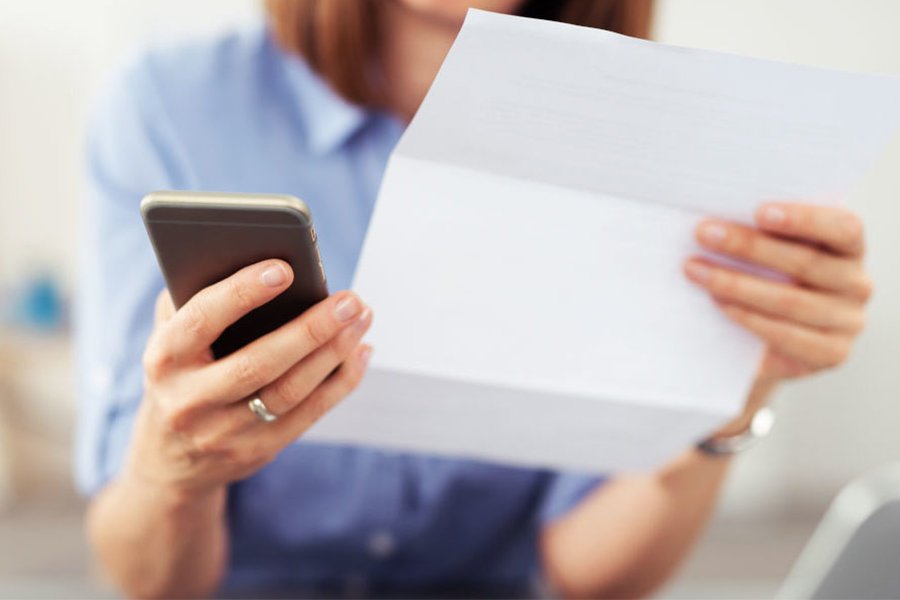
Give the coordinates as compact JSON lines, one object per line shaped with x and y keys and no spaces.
{"x":524,"y":257}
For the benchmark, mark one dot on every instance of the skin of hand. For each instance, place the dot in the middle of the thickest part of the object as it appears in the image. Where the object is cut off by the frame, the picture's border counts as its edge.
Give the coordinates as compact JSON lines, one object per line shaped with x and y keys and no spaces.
{"x":159,"y":527}
{"x":809,"y":321}
{"x":195,"y":431}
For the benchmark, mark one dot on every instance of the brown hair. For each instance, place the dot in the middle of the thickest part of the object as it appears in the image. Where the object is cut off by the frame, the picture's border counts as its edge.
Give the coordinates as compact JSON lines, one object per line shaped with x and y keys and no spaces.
{"x":339,"y":38}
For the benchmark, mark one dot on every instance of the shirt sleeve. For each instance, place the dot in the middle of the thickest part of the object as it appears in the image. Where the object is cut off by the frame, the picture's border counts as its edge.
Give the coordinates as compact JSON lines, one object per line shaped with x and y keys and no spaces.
{"x":564,"y":492}
{"x":130,"y":150}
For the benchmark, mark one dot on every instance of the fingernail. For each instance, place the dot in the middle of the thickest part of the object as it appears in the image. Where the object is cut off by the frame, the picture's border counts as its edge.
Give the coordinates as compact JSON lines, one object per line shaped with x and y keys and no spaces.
{"x":713,"y":233}
{"x":274,"y":276}
{"x":365,"y":355}
{"x":698,"y":271}
{"x":773,"y":215}
{"x":347,"y":308}
{"x":362,"y":322}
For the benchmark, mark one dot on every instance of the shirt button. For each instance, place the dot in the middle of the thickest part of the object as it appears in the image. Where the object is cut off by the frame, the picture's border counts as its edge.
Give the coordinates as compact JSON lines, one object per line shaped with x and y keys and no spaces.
{"x":382,"y":544}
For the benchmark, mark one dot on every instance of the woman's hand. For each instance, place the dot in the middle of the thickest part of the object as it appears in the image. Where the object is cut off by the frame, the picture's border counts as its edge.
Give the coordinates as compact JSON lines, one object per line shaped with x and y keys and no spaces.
{"x":809,"y":322}
{"x":195,"y":432}
{"x":629,"y":534}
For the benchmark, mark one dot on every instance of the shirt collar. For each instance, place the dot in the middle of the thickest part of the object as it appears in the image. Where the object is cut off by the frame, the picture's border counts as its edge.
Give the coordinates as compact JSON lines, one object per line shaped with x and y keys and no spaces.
{"x":328,"y":119}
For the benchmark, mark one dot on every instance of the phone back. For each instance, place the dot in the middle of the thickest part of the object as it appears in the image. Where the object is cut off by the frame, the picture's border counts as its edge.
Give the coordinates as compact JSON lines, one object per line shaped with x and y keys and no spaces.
{"x":201,"y":238}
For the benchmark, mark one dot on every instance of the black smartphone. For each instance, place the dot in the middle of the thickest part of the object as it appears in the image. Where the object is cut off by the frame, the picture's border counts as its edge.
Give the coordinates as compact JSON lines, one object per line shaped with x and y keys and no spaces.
{"x":201,"y":238}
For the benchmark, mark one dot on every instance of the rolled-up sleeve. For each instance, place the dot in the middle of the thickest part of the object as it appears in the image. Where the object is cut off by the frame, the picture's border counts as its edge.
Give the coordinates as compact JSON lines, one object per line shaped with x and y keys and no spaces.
{"x":565,"y":491}
{"x":130,"y":151}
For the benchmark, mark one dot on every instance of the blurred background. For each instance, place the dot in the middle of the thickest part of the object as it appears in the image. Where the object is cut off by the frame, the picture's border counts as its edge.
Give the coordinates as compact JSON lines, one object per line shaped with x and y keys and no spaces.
{"x":55,"y":54}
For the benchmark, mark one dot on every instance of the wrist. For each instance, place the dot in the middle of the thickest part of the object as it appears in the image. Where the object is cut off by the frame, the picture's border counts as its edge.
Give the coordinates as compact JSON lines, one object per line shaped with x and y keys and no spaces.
{"x":753,"y":424}
{"x":736,"y":426}
{"x":172,"y":497}
{"x":757,"y":398}
{"x":160,"y":481}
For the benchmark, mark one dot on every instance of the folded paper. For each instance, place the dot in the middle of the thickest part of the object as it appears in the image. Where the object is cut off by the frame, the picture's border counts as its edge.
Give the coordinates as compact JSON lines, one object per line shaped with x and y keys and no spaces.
{"x":524,"y":260}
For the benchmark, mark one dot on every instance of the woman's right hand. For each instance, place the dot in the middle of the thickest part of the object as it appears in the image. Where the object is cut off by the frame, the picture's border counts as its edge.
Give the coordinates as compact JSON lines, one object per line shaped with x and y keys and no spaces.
{"x":195,"y":432}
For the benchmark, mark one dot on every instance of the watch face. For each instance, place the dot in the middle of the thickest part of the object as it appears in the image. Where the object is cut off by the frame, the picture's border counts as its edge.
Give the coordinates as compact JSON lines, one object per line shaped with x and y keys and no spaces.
{"x":762,"y":422}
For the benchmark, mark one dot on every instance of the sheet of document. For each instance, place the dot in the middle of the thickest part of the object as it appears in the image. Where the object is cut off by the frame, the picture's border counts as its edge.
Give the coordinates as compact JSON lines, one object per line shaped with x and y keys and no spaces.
{"x":524,"y":257}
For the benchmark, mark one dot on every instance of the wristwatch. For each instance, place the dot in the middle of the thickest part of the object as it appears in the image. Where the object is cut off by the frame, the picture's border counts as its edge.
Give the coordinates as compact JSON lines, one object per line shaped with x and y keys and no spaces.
{"x":760,"y":426}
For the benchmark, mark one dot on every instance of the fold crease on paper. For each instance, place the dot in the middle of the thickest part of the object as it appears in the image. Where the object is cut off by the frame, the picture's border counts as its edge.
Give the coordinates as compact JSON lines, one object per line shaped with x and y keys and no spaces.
{"x":524,"y":258}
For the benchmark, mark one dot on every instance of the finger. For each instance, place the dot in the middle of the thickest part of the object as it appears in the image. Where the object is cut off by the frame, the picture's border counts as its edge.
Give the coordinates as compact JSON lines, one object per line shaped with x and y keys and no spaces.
{"x":198,"y":323}
{"x":815,"y":349}
{"x":299,"y":381}
{"x":165,"y":308}
{"x":783,"y":300}
{"x":803,"y":262}
{"x":323,"y":398}
{"x":262,"y":361}
{"x":292,"y":388}
{"x":262,"y":442}
{"x":156,"y":361}
{"x":837,"y":228}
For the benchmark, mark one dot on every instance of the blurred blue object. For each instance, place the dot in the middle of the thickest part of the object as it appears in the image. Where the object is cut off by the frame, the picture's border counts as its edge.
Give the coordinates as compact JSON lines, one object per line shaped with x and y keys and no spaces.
{"x":38,"y":305}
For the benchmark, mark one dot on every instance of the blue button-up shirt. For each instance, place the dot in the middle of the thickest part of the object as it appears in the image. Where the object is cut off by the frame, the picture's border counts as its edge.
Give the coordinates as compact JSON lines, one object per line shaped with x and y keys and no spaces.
{"x":235,"y":113}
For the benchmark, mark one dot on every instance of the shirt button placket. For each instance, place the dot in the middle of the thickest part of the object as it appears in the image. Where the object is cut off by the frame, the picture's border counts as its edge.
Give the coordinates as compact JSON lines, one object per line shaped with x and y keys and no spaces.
{"x":381,"y":542}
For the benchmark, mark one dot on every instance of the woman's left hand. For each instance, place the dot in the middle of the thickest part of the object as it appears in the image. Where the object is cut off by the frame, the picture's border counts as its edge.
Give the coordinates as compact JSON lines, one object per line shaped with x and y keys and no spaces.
{"x":809,"y":322}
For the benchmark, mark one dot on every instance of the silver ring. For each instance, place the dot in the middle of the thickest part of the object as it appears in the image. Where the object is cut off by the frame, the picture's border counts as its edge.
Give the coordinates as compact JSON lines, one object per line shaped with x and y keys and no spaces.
{"x":258,"y":408}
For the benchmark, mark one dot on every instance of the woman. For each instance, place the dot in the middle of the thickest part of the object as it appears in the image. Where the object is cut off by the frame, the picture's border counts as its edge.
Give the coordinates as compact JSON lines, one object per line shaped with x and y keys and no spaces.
{"x":192,"y":494}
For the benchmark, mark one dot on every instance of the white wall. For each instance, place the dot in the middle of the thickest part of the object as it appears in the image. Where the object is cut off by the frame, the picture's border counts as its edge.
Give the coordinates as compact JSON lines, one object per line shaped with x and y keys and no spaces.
{"x":53,"y":54}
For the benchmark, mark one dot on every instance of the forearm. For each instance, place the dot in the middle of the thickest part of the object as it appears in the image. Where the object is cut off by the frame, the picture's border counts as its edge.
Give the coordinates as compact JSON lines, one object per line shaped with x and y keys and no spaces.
{"x":626,"y":538}
{"x":153,"y":543}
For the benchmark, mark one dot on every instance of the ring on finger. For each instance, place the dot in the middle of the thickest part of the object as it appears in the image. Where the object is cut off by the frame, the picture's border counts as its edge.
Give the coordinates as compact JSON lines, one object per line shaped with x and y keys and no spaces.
{"x":262,"y":412}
